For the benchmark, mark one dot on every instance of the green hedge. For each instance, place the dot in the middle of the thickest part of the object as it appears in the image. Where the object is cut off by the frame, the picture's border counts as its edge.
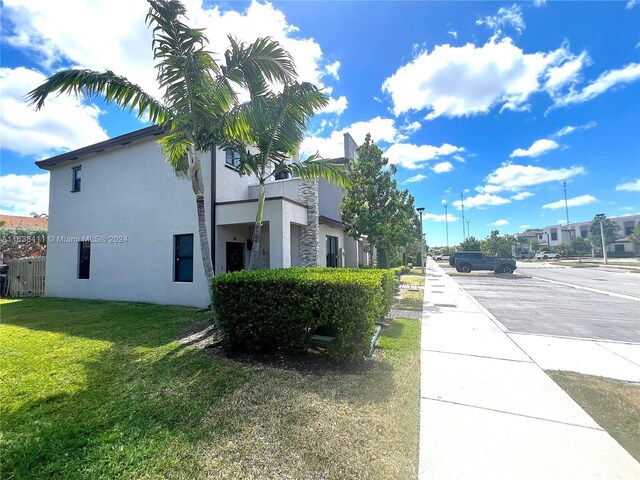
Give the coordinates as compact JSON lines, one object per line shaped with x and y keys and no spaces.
{"x":268,"y":310}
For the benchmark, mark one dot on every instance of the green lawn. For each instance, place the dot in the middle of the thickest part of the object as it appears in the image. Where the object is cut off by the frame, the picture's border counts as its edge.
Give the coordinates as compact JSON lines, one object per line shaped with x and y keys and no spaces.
{"x":93,"y":390}
{"x":614,"y":404}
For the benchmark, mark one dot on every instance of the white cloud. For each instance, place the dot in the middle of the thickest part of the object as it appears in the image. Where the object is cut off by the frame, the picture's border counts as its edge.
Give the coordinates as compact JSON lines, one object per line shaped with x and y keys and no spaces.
{"x":571,"y":202}
{"x":468,"y":80}
{"x":498,"y":223}
{"x":336,"y":106}
{"x":539,"y":3}
{"x":570,"y":129}
{"x":112,"y":34}
{"x":632,"y":3}
{"x":453,"y":33}
{"x":506,"y":17}
{"x":562,"y":222}
{"x":23,"y":194}
{"x":412,"y":127}
{"x":539,"y":147}
{"x":332,"y":69}
{"x":566,"y":73}
{"x":521,"y":195}
{"x":633,"y":186}
{"x":65,"y":123}
{"x":413,"y":157}
{"x":440,"y":218}
{"x":381,"y":129}
{"x":481,"y":200}
{"x":442,"y":167}
{"x":416,"y":178}
{"x":604,"y":82}
{"x":517,"y":177}
{"x":524,"y":227}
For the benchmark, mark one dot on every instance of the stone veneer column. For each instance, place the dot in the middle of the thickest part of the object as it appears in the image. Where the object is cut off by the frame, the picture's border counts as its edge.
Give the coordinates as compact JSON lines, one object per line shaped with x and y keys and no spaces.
{"x":310,"y":234}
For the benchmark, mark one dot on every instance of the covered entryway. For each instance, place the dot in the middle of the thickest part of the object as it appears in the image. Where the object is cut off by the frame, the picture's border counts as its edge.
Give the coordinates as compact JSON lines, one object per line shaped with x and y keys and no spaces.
{"x":235,"y":256}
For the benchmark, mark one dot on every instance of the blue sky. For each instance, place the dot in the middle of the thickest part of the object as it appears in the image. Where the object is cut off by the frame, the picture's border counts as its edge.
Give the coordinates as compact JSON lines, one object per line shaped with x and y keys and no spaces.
{"x":502,"y":101}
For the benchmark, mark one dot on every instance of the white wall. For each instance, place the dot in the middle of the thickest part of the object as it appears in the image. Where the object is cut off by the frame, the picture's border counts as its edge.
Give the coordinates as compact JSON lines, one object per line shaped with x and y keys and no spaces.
{"x":334,"y":232}
{"x":126,"y":191}
{"x":329,"y":198}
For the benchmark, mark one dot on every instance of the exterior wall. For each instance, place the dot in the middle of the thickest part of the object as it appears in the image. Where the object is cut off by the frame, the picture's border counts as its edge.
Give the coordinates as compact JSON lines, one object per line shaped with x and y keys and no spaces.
{"x":231,"y":233}
{"x":322,"y":254}
{"x":287,"y":188}
{"x":128,"y":192}
{"x":230,"y":186}
{"x":309,"y":234}
{"x":329,"y":197}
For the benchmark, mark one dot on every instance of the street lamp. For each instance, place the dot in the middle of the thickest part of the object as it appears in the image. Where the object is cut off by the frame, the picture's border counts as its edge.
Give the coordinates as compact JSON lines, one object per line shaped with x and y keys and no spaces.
{"x":420,"y":210}
{"x":600,"y":217}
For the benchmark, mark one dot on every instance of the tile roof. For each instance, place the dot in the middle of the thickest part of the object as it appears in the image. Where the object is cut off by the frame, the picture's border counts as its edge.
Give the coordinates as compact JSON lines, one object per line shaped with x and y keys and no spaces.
{"x":12,"y":221}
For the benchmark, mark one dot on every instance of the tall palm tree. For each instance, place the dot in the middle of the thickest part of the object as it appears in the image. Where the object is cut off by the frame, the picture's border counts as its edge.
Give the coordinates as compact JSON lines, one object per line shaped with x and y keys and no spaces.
{"x":275,"y":127}
{"x":198,"y":94}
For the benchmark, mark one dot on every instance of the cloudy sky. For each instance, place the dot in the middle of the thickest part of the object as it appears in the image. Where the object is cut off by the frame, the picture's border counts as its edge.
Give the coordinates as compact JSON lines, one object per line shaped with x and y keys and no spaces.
{"x":501,"y":102}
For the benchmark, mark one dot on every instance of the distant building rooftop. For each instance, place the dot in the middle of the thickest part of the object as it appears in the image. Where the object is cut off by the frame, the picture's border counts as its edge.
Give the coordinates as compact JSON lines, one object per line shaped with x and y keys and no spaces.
{"x":13,"y":221}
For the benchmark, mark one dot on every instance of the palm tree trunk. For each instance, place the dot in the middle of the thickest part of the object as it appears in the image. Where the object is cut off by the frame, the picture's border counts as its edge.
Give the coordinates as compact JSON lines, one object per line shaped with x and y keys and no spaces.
{"x":204,"y":239}
{"x":257,"y":229}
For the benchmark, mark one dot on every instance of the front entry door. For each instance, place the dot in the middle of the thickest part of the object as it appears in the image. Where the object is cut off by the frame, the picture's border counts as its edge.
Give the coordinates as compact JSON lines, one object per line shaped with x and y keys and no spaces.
{"x":235,"y":256}
{"x":332,"y":251}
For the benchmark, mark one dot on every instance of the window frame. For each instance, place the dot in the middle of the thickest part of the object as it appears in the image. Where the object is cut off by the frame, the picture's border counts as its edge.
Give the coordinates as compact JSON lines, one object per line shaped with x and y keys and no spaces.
{"x":230,"y":158}
{"x":177,"y":258}
{"x":76,"y":179}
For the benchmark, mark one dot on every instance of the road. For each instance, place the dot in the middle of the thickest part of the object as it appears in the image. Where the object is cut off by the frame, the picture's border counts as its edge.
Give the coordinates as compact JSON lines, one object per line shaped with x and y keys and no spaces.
{"x":620,"y":282}
{"x":535,"y":306}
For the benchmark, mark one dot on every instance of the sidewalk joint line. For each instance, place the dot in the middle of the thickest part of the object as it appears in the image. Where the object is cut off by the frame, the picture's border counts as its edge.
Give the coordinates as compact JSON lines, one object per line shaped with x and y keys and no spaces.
{"x":616,"y":353}
{"x":589,"y":289}
{"x":513,"y":413}
{"x":478,"y":356}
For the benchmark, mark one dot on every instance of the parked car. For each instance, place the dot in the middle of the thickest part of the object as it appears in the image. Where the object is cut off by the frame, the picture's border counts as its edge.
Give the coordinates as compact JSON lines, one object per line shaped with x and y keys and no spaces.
{"x":525,"y":256}
{"x":465,"y":262}
{"x":547,"y":256}
{"x":442,"y":256}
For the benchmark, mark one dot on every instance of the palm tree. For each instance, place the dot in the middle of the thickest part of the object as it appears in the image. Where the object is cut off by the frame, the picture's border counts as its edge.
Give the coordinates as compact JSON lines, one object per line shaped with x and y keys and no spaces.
{"x":276,"y":124}
{"x":197,"y":93}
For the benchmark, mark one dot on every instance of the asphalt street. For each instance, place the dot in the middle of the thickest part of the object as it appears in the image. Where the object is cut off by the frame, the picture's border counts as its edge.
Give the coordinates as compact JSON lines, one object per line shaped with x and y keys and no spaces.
{"x":621,"y":282}
{"x":535,"y":306}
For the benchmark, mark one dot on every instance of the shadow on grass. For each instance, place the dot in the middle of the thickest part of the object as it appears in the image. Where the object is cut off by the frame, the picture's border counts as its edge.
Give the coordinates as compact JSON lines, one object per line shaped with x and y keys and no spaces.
{"x":148,"y":406}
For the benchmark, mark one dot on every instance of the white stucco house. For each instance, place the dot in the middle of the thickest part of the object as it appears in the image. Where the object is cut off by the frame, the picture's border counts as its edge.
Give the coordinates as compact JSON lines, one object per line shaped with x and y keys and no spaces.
{"x":123,"y":227}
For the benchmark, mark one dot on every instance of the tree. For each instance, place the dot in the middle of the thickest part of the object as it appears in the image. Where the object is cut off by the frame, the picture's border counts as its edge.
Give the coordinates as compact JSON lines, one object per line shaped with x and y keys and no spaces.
{"x":373,"y":205}
{"x":635,"y":238}
{"x":39,"y":215}
{"x":611,"y":232}
{"x":534,"y":243}
{"x":495,"y":245}
{"x":276,"y":127}
{"x":23,"y":242}
{"x":197,"y":93}
{"x":563,"y":249}
{"x":580,"y":247}
{"x":471,"y":244}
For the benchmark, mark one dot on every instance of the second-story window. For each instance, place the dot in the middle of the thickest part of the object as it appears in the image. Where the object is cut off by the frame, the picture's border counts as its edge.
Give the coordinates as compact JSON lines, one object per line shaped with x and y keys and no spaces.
{"x":76,"y":179}
{"x":232,"y":158}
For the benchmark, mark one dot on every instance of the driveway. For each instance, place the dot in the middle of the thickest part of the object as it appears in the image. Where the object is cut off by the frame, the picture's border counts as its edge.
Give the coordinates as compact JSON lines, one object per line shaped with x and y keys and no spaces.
{"x":532,"y":305}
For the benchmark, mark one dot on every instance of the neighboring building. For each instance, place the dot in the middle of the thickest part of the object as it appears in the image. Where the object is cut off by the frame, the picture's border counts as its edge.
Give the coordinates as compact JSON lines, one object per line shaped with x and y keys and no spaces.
{"x":15,"y":221}
{"x":553,"y":235}
{"x":122,"y":227}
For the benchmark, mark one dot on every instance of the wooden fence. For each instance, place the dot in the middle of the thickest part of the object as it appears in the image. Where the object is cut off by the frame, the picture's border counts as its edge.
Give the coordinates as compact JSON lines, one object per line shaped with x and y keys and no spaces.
{"x":25,"y":277}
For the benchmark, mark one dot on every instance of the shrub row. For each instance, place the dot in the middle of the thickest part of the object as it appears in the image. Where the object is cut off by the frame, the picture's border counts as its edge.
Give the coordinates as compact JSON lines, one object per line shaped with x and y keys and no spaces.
{"x":281,"y":309}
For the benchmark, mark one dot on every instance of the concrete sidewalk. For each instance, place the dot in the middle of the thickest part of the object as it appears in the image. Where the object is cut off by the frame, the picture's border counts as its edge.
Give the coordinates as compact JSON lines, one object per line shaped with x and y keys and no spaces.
{"x":488,"y":411}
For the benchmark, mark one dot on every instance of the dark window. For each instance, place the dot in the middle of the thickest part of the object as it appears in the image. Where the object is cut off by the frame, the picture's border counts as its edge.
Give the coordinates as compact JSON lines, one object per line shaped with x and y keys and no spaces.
{"x":282,"y":175}
{"x":332,"y":251}
{"x":554,"y":235}
{"x":183,"y":258}
{"x":628,"y":228}
{"x":77,"y":177}
{"x":584,"y":233}
{"x":84,"y":259}
{"x":232,"y":158}
{"x":619,"y":248}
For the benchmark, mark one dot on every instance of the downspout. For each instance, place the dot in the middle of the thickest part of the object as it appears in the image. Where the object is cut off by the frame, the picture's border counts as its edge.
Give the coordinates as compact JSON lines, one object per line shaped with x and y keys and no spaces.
{"x":214,"y":198}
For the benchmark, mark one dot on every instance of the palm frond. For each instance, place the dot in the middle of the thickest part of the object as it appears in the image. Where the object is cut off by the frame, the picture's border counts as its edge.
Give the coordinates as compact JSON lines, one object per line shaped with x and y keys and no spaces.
{"x":332,"y":172}
{"x":175,"y":147}
{"x":115,"y":89}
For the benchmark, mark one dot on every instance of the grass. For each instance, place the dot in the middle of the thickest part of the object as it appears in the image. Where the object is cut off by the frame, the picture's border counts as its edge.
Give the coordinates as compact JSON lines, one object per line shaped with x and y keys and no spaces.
{"x":413,"y":280}
{"x":411,"y":300}
{"x":93,"y":390}
{"x":614,"y":404}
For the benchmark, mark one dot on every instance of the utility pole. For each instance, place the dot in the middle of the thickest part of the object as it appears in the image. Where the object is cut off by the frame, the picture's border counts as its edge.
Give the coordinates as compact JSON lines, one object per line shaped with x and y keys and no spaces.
{"x":464,"y":237}
{"x":420,"y":210}
{"x":446,"y":222}
{"x":604,"y":246}
{"x":566,"y":204}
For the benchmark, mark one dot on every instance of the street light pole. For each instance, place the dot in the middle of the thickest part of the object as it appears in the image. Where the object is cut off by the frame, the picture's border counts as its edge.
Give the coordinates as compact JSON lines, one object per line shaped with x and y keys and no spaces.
{"x":420,"y":210}
{"x":446,"y":223}
{"x":604,"y":246}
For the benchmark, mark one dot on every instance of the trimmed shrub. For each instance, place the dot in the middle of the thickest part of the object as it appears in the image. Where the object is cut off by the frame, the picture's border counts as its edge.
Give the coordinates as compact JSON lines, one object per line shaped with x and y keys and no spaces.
{"x":268,"y":310}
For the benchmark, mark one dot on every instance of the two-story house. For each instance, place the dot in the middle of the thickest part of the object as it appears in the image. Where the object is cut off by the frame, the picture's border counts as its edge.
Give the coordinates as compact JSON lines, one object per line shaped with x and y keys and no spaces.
{"x":123,"y":227}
